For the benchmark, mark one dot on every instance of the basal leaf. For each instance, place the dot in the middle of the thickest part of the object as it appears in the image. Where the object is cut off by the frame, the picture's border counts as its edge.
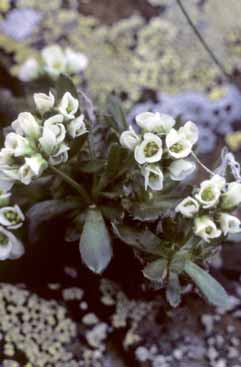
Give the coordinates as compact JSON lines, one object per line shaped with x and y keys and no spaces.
{"x":142,"y":239}
{"x":210,"y":288}
{"x":156,"y":270}
{"x":95,"y":243}
{"x":65,"y":84}
{"x":116,"y":111}
{"x":173,"y":291}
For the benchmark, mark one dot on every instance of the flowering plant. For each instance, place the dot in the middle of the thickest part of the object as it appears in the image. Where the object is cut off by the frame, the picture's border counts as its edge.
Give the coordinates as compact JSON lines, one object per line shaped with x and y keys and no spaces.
{"x":119,"y":183}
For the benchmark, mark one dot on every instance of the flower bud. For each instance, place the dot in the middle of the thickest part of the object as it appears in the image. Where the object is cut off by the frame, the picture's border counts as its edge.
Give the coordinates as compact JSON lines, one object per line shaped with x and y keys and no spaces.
{"x":149,"y":150}
{"x":188,"y":207}
{"x":210,"y":191}
{"x":37,"y":164}
{"x":190,"y":132}
{"x":129,"y":138}
{"x":180,"y":169}
{"x":44,"y":102}
{"x":60,"y":156}
{"x":55,"y":125}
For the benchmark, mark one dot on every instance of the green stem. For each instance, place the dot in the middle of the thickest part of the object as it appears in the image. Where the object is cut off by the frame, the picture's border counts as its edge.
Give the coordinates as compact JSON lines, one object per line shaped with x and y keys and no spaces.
{"x":202,"y":165}
{"x":83,"y":193}
{"x":203,"y":42}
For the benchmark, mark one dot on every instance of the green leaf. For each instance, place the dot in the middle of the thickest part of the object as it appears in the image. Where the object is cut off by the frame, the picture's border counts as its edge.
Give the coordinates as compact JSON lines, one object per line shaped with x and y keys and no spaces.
{"x":115,"y":109}
{"x":92,"y":166}
{"x":211,"y":289}
{"x":150,"y":210}
{"x":45,"y":211}
{"x":177,"y":264}
{"x":95,"y":243}
{"x":64,"y":84}
{"x":156,"y":270}
{"x":142,"y":239}
{"x":114,"y":159}
{"x":174,"y":290}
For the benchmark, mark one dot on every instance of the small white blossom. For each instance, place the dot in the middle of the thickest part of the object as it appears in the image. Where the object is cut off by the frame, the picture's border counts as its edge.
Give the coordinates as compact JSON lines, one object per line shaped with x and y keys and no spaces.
{"x":149,"y":150}
{"x":4,"y":196}
{"x":6,"y":157}
{"x":129,"y":138}
{"x":155,"y":122}
{"x":75,"y":61}
{"x":188,"y":207}
{"x":190,"y":132}
{"x":60,"y":156}
{"x":10,"y":246}
{"x":229,"y":223}
{"x":26,"y":124}
{"x":29,"y":70}
{"x":205,"y":228}
{"x":178,"y":145}
{"x":48,"y":141}
{"x":55,"y":125}
{"x":37,"y":164}
{"x":26,"y":175}
{"x":77,"y":127}
{"x":180,"y":169}
{"x":44,"y":102}
{"x":11,"y":217}
{"x":153,"y":177}
{"x":232,"y":197}
{"x":68,"y":106}
{"x":54,"y":60}
{"x":17,"y":145}
{"x":210,"y":191}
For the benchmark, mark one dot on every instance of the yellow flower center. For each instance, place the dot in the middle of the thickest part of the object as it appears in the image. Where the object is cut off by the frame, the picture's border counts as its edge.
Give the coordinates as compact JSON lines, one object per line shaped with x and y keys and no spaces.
{"x":151,"y":149}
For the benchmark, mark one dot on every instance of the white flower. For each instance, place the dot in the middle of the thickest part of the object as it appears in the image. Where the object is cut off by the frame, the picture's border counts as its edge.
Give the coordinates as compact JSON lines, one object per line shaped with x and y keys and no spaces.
{"x":153,"y":177}
{"x":180,"y":169}
{"x":77,"y":127}
{"x":54,"y":60}
{"x":229,"y":223}
{"x":155,"y":122}
{"x":48,"y":141}
{"x":177,"y":144}
{"x":129,"y":138}
{"x":76,"y":61}
{"x":232,"y":197}
{"x":10,"y":246}
{"x":26,"y":174}
{"x":60,"y":156}
{"x":55,"y":125}
{"x":68,"y":106}
{"x":37,"y":164}
{"x":26,"y":124}
{"x":210,"y":191}
{"x":205,"y":228}
{"x":149,"y":150}
{"x":17,"y":145}
{"x":29,"y":70}
{"x":188,"y":207}
{"x":190,"y":132}
{"x":6,"y":157}
{"x":4,"y":196}
{"x":44,"y":102}
{"x":11,"y":217}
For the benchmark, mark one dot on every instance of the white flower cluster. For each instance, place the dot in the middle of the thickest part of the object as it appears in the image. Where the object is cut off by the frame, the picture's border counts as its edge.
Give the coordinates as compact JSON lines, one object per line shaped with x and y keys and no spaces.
{"x":53,"y":62}
{"x":210,"y":207}
{"x":11,"y":218}
{"x":160,"y":148}
{"x":36,"y":141}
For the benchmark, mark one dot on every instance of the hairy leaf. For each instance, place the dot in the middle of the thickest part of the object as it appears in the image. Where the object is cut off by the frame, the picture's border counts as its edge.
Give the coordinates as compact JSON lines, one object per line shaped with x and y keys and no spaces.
{"x":173,"y":291}
{"x":95,"y":243}
{"x":142,"y":239}
{"x":115,"y":109}
{"x":156,"y":270}
{"x":65,"y":84}
{"x":211,"y":289}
